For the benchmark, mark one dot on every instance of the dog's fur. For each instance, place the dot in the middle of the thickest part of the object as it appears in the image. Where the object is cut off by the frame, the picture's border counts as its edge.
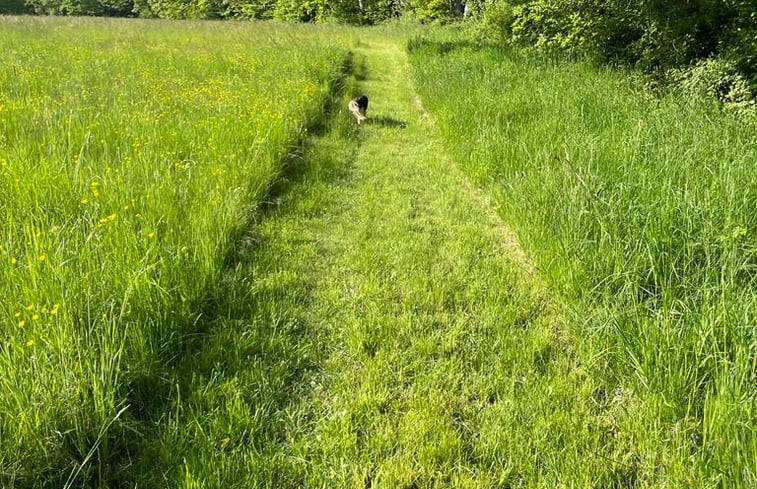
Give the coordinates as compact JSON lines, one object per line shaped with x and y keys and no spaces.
{"x":358,"y":106}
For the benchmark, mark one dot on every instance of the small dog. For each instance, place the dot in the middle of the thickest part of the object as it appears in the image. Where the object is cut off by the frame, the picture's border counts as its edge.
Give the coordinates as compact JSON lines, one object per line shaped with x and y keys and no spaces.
{"x":358,"y":106}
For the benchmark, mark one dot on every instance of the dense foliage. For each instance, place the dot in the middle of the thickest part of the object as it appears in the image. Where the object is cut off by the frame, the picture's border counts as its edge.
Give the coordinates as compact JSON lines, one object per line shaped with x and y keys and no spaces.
{"x":716,"y":38}
{"x":349,"y":11}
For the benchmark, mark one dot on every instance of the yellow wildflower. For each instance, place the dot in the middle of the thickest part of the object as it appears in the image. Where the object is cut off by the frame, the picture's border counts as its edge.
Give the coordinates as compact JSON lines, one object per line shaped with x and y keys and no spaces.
{"x":21,"y":324}
{"x":35,"y":317}
{"x":41,"y":257}
{"x":54,"y":310}
{"x":84,"y":201}
{"x":30,"y":343}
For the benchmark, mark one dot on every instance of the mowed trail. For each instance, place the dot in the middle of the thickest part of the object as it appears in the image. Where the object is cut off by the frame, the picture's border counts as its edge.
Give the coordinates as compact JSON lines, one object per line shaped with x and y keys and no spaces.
{"x":444,"y":350}
{"x":393,"y":337}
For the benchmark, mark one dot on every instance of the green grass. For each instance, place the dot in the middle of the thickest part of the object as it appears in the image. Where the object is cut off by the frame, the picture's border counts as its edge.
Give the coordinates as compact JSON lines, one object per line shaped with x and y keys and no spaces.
{"x":381,"y":332}
{"x":132,"y":154}
{"x":640,"y":213}
{"x":211,"y":277}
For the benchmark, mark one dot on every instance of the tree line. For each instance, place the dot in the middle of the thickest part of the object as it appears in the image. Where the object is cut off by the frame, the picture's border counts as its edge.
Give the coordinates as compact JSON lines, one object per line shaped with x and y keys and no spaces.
{"x":708,"y":45}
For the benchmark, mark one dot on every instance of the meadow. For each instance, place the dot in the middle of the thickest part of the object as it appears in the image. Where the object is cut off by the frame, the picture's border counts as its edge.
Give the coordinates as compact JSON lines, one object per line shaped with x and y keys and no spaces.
{"x":639,"y":211}
{"x":521,"y":271}
{"x":132,"y":156}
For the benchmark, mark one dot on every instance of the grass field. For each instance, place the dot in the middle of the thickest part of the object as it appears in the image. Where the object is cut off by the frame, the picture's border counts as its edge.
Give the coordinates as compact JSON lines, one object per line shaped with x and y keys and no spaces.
{"x":131,"y":154}
{"x":212,"y":278}
{"x":640,"y":213}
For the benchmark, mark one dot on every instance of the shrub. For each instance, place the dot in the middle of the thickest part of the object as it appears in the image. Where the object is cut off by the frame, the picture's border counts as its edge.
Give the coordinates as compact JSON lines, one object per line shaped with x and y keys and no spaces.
{"x":714,"y":77}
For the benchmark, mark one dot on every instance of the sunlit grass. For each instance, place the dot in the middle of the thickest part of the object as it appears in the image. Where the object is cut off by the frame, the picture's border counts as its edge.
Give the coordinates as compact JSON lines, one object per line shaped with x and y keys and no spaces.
{"x":640,"y":211}
{"x":369,"y":329}
{"x":131,"y":155}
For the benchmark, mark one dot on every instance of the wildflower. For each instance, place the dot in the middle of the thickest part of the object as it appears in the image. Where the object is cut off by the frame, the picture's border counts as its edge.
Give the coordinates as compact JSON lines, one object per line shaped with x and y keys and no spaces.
{"x":35,"y":317}
{"x":42,"y":257}
{"x":112,"y":217}
{"x":54,"y":310}
{"x":29,"y":307}
{"x":30,"y":343}
{"x":738,"y":232}
{"x":84,"y":201}
{"x":21,"y":324}
{"x":151,"y":235}
{"x":18,"y":314}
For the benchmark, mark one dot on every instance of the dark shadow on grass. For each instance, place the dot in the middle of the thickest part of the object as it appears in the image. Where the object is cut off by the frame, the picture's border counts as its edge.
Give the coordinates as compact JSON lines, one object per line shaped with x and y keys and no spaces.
{"x":359,"y":69}
{"x":384,"y":121}
{"x":442,"y":48}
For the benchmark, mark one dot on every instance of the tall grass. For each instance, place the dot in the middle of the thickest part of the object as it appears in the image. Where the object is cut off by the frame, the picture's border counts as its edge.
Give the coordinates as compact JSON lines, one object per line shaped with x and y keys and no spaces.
{"x":131,"y":155}
{"x":641,"y":212}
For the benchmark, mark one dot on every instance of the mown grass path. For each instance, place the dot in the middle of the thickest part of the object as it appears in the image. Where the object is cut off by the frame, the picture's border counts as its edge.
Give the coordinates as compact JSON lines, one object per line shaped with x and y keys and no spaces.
{"x":382,"y":331}
{"x":439,"y":339}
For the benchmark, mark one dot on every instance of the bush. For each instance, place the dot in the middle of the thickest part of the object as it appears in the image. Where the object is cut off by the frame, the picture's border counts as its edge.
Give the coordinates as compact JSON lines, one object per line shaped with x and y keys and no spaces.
{"x":714,"y":77}
{"x":497,"y":21}
{"x":12,"y":7}
{"x":605,"y":28}
{"x":655,"y":35}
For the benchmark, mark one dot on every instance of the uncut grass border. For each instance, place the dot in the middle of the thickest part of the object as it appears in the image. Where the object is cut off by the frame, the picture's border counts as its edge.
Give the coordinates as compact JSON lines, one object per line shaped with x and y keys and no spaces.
{"x":296,"y":170}
{"x":190,"y":343}
{"x":594,"y":308}
{"x":142,"y":398}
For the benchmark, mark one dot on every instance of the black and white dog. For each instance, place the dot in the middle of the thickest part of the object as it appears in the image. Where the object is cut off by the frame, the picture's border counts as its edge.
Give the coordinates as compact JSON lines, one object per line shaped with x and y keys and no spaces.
{"x":358,"y":106}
